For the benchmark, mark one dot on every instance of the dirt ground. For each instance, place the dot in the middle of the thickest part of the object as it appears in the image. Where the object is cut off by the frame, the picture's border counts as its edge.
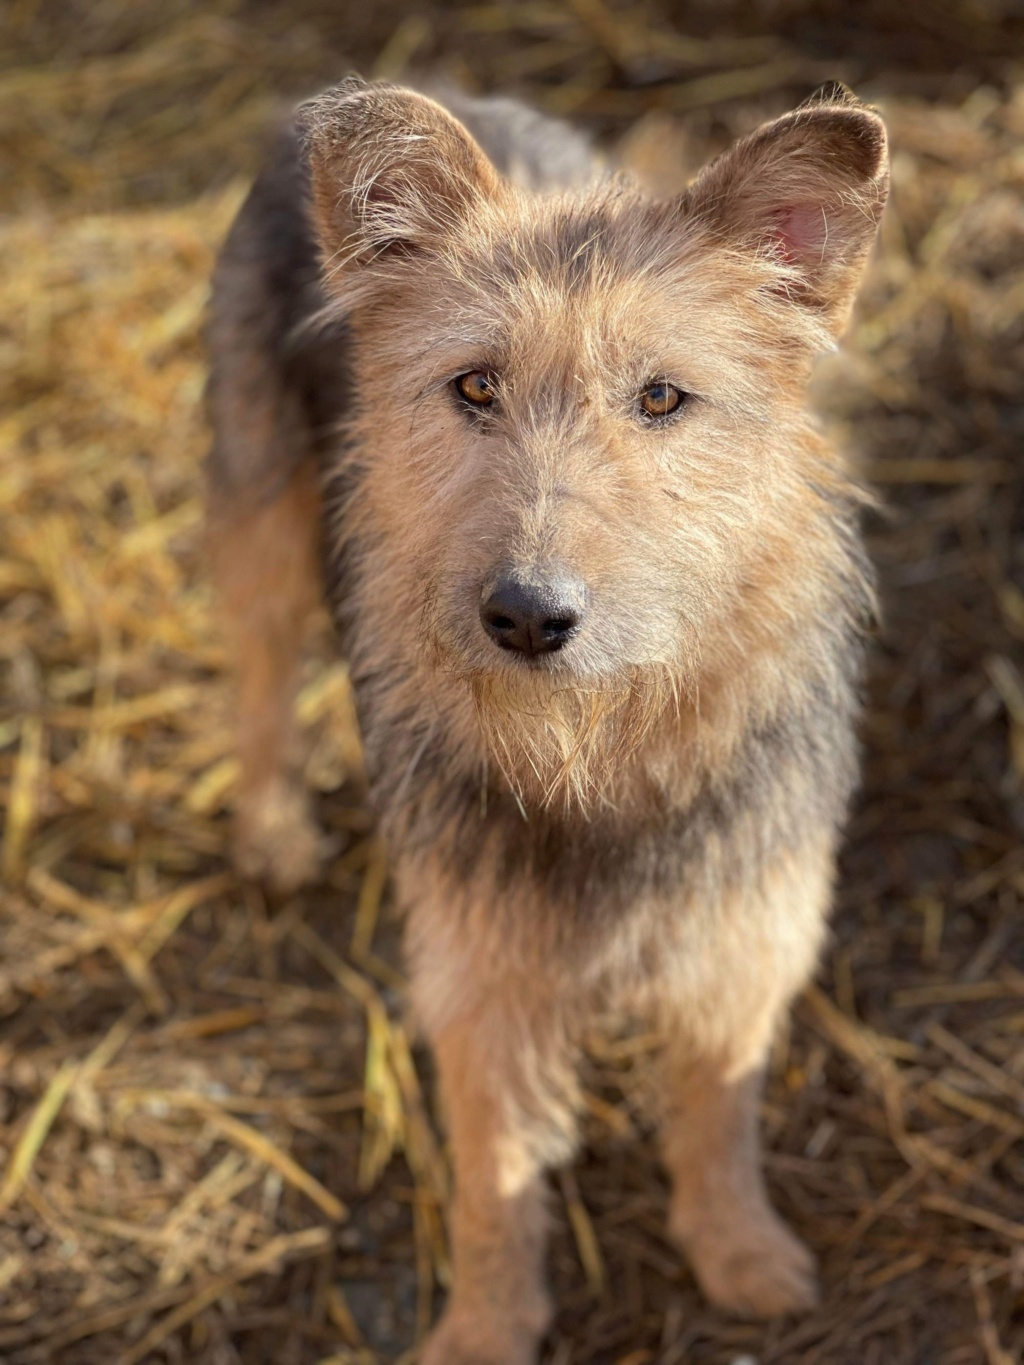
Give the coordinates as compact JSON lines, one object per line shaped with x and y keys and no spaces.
{"x":218,"y":1141}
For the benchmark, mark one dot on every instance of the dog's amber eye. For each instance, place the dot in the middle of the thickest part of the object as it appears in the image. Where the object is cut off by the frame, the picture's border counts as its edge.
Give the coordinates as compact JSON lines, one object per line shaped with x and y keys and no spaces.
{"x":477,"y":388}
{"x":659,"y":399}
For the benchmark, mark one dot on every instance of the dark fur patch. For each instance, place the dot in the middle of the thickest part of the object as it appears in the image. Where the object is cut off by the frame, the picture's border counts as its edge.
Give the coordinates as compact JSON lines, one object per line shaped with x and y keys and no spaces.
{"x":793,"y":777}
{"x":278,"y":385}
{"x":580,"y":241}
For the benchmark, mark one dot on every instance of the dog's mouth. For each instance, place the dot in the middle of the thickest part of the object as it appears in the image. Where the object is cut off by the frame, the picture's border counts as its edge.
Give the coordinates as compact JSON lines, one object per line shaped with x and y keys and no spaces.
{"x":458,"y":645}
{"x":555,"y":658}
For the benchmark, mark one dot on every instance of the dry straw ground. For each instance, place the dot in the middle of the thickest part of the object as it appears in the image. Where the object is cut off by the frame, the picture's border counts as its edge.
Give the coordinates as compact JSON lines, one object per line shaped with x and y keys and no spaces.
{"x":217,"y":1140}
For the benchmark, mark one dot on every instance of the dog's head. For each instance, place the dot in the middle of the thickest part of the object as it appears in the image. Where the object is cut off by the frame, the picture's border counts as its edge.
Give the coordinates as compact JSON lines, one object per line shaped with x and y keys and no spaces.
{"x":588,"y":464}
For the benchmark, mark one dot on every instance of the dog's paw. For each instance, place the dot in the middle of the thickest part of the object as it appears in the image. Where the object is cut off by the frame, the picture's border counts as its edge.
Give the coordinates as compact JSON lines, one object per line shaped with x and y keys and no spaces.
{"x":441,"y":1349}
{"x":755,"y":1268}
{"x":276,"y":840}
{"x":479,"y":1341}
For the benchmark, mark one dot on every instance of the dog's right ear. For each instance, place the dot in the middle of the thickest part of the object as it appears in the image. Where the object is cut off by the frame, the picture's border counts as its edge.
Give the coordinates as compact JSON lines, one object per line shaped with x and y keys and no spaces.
{"x":392,"y":171}
{"x":807,"y":190}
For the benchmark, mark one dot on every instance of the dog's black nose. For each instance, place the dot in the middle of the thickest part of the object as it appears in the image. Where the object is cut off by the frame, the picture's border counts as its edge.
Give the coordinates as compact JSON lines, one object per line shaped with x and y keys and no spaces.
{"x":534,"y":614}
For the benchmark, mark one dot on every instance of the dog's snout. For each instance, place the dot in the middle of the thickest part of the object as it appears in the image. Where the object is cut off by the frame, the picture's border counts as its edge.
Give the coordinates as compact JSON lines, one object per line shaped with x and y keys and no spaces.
{"x":532,"y":615}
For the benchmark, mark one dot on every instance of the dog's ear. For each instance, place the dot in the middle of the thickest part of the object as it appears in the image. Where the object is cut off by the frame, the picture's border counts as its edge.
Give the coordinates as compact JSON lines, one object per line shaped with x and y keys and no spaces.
{"x":809,"y":190}
{"x":391,"y":171}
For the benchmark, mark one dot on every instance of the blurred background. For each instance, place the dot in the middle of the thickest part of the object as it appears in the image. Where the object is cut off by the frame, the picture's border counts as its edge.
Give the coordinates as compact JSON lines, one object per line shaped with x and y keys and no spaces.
{"x":218,"y":1142}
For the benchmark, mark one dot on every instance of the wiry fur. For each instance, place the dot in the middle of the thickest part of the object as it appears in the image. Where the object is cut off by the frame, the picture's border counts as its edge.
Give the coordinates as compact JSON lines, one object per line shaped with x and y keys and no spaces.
{"x":648,"y":818}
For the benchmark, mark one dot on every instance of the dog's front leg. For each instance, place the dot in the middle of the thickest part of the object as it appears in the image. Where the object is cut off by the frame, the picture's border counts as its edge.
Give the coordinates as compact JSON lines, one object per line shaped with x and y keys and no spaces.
{"x":507,"y":1082}
{"x":746,"y":1259}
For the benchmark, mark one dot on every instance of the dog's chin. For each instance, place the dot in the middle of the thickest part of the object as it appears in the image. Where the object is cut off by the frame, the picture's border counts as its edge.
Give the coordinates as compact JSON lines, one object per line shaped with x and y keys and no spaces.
{"x":559,"y":732}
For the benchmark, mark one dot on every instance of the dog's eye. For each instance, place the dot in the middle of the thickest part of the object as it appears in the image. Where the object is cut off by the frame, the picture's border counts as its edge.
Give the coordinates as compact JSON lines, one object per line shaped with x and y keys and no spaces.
{"x":476,"y":387}
{"x":661,"y":398}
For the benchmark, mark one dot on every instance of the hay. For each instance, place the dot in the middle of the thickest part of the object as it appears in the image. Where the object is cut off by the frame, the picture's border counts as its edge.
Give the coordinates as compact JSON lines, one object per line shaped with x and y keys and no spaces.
{"x":217,"y":1142}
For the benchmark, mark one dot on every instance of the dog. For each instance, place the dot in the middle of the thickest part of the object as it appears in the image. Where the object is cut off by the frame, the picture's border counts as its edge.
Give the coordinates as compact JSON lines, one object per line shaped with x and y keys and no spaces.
{"x":540,"y":437}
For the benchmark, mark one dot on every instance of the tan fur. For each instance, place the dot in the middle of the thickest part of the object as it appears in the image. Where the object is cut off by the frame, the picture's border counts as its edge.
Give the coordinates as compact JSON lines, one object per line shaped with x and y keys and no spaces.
{"x":743,"y":1255}
{"x":541,"y":500}
{"x":645,"y":822}
{"x":266,"y":567}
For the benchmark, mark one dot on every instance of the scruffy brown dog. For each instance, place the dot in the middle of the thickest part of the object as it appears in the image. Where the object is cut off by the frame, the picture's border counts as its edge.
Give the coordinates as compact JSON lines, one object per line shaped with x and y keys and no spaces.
{"x":600,"y":583}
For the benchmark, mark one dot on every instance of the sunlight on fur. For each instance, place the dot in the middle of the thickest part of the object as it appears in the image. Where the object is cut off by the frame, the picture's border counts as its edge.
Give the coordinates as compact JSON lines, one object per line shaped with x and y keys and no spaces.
{"x":571,"y":740}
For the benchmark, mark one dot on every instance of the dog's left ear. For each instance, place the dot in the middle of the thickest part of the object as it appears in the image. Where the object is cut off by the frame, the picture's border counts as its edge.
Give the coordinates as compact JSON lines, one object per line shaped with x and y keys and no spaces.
{"x":809,"y":189}
{"x":392,"y":172}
